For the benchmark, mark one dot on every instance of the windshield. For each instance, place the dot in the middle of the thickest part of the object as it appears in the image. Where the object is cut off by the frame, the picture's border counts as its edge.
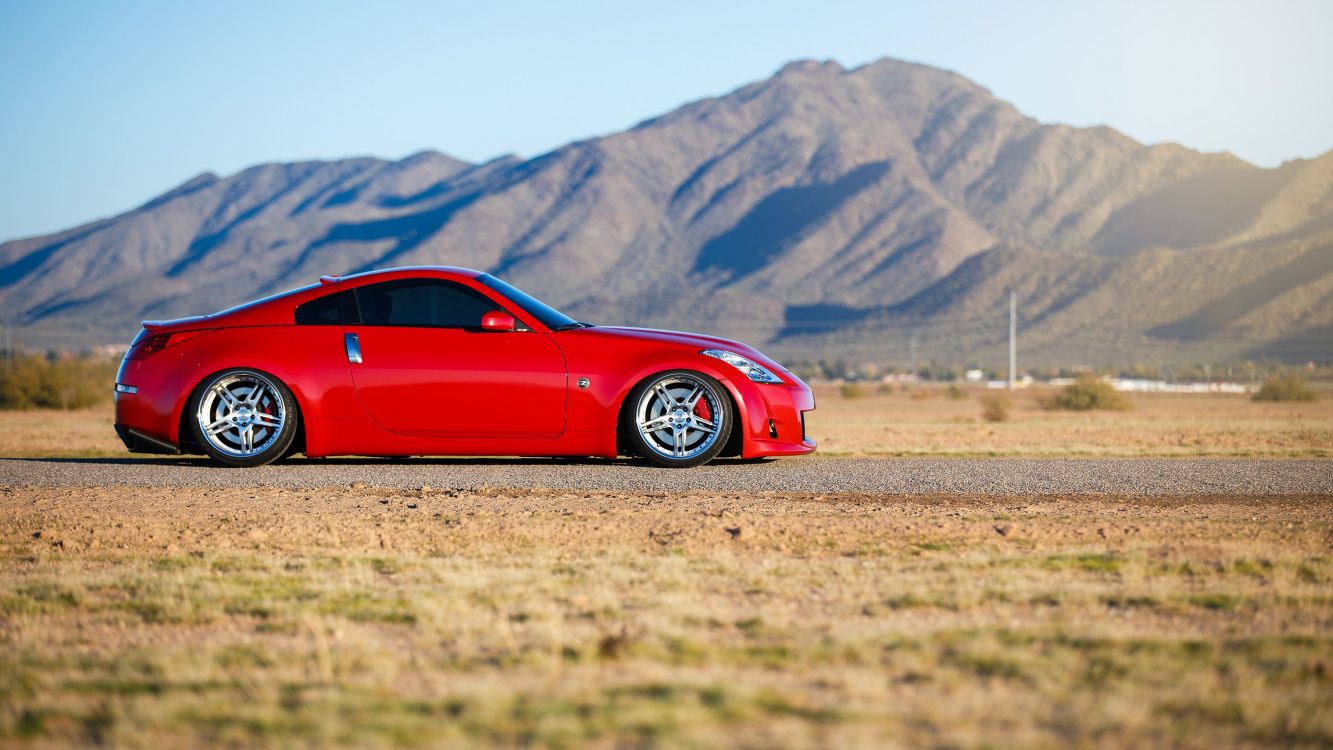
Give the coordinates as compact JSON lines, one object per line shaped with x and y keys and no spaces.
{"x":549,"y":316}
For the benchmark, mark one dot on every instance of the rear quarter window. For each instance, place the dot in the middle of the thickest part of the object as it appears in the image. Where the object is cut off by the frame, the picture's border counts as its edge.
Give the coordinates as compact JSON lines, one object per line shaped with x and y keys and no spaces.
{"x":329,"y":310}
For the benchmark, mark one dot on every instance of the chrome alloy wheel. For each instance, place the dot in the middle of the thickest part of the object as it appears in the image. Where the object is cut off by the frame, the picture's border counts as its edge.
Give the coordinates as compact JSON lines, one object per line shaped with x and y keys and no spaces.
{"x":241,"y":414}
{"x":679,"y":416}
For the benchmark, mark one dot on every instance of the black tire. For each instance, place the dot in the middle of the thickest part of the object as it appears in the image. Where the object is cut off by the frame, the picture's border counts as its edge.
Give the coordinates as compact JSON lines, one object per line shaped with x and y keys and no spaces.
{"x":646,"y":405}
{"x":268,"y":442}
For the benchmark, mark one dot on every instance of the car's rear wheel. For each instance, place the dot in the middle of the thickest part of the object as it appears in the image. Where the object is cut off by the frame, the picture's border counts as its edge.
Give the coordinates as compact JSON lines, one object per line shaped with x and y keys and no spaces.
{"x":244,"y":418}
{"x":678,"y":419}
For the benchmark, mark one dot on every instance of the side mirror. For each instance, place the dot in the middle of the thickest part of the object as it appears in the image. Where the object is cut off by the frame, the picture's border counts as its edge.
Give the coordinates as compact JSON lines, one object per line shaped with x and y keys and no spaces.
{"x":498,"y":321}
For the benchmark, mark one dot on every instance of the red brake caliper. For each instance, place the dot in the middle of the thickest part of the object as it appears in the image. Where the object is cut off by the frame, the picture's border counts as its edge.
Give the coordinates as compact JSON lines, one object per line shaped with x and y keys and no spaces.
{"x":701,"y":410}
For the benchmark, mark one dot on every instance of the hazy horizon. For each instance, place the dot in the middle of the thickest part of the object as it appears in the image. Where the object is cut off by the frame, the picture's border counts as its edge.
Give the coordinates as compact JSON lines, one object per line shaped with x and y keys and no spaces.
{"x":108,"y":106}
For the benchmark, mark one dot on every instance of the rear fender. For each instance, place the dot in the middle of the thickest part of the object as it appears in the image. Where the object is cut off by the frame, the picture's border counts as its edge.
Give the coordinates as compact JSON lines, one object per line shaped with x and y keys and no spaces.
{"x":310,"y":360}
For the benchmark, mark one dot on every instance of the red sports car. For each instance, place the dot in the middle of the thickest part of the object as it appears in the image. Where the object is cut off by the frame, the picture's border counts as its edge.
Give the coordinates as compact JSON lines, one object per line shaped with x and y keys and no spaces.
{"x":446,"y":361}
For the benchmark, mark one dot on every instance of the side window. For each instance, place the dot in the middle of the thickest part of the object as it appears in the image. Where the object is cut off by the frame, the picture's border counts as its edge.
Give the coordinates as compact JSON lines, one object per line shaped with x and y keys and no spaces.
{"x":422,"y":302}
{"x":321,"y":311}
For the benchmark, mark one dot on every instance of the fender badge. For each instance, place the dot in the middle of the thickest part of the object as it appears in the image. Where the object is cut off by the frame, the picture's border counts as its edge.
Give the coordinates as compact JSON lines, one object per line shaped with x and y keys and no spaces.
{"x":584,"y":382}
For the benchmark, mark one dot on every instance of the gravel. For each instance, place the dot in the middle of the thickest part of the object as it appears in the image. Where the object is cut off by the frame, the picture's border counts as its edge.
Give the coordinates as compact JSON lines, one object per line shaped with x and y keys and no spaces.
{"x":876,"y":475}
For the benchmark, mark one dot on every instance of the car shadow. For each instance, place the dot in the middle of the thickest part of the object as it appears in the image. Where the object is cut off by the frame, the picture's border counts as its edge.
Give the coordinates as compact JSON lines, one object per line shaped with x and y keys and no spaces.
{"x":205,"y":463}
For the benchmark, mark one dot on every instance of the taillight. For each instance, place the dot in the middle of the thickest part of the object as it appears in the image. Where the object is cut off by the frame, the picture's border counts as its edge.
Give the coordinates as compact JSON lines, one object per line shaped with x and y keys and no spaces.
{"x":148,"y":345}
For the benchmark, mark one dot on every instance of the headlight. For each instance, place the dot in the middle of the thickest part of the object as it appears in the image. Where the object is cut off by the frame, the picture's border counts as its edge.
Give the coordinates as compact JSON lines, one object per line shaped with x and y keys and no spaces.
{"x":756,"y":372}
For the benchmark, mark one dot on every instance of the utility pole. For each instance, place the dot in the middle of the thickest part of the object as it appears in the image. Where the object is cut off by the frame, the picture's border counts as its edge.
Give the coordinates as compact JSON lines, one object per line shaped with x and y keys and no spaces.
{"x":911,"y":348}
{"x":1013,"y":338}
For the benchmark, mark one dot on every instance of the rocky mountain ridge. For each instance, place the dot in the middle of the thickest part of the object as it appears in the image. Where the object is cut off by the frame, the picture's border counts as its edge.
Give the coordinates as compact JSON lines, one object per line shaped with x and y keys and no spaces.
{"x":823,"y":207}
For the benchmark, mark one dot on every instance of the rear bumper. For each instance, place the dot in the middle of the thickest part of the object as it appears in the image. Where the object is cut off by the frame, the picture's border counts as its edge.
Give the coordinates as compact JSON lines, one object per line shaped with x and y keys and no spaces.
{"x":147,"y":420}
{"x":138,"y":442}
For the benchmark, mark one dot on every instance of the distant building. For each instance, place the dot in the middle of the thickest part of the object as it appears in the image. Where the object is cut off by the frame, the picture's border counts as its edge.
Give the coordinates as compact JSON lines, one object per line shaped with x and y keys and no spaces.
{"x":1161,"y":386}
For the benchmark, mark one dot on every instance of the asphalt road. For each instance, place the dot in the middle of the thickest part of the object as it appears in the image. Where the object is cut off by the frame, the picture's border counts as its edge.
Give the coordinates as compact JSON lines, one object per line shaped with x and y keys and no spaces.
{"x":875,"y":475}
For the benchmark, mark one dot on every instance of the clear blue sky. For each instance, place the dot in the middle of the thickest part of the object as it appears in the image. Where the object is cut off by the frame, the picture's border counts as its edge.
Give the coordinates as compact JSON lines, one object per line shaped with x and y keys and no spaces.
{"x":106,"y":104}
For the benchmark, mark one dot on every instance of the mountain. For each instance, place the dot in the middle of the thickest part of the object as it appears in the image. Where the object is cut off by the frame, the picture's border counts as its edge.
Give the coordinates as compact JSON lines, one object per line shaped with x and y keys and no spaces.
{"x":874,"y":210}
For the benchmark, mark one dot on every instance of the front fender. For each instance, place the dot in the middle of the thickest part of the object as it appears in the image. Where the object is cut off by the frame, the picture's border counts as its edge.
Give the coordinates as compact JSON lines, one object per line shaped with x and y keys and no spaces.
{"x":597,"y":408}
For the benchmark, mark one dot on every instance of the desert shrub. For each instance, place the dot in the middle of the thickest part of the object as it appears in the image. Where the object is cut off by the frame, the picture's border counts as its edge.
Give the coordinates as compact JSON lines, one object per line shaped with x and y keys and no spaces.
{"x":1285,"y":386}
{"x":995,"y":407}
{"x":36,"y":382}
{"x":954,"y":393}
{"x":1088,"y":392}
{"x":884,"y":389}
{"x":852,"y":390}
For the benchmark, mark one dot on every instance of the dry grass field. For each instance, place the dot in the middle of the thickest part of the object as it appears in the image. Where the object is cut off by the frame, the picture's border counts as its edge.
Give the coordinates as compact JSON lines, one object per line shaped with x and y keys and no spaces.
{"x":922,"y":421}
{"x":372,"y":618}
{"x":46,"y":432}
{"x":363,"y":616}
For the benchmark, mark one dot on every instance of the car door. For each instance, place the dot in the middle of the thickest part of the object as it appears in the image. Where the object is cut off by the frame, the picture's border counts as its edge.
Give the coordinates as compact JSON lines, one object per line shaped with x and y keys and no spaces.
{"x":426,"y":367}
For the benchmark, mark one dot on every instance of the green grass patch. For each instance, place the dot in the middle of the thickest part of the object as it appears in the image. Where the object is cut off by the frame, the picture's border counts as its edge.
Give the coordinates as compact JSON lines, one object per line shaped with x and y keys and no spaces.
{"x":1094,"y":562}
{"x":1216,"y":601}
{"x":361,"y":606}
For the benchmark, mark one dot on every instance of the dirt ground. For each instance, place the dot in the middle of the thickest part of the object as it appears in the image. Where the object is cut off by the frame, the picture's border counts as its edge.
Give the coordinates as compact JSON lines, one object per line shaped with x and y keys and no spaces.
{"x":367,"y":616}
{"x":371,"y":617}
{"x":922,"y":421}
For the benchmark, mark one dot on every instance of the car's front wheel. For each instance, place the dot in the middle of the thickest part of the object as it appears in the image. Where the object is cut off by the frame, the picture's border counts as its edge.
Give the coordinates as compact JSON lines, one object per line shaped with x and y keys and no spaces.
{"x":678,"y":419}
{"x":243,"y":418}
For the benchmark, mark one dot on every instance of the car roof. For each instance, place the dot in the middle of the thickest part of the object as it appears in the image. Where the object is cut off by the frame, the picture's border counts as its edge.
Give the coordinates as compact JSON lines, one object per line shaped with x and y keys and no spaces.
{"x":276,"y":309}
{"x":403,"y":272}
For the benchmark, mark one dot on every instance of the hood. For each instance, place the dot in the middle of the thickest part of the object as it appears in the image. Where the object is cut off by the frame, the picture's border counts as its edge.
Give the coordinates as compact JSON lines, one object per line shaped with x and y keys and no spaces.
{"x":693,"y":341}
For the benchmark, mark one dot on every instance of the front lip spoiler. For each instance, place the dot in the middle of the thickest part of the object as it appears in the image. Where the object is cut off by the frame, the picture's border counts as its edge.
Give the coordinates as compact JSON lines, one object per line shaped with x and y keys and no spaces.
{"x":137,"y":442}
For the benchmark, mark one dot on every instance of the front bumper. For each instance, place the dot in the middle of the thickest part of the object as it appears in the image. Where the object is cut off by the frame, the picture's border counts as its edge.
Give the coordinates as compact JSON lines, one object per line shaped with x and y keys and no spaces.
{"x":778,"y":429}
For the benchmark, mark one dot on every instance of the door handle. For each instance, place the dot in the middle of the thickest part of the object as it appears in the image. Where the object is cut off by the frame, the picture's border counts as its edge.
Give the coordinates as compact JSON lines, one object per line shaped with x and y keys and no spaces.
{"x":353,"y":348}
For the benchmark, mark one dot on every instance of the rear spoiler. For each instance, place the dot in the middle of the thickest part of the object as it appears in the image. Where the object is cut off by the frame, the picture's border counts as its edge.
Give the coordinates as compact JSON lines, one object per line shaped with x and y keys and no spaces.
{"x":186,"y":322}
